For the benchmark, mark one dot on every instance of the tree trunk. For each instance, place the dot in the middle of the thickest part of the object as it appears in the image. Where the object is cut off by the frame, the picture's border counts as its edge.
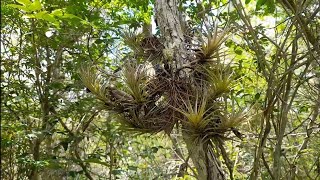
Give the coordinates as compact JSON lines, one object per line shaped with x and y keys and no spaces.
{"x":207,"y":165}
{"x":171,"y":24}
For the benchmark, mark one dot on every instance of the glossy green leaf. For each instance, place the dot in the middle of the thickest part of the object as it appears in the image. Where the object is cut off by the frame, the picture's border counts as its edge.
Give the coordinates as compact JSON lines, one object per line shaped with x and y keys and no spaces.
{"x":57,"y":12}
{"x":29,"y":16}
{"x":35,"y":6}
{"x":19,"y":7}
{"x":24,"y":2}
{"x":49,"y":18}
{"x":238,"y":51}
{"x":260,"y":3}
{"x":271,"y":6}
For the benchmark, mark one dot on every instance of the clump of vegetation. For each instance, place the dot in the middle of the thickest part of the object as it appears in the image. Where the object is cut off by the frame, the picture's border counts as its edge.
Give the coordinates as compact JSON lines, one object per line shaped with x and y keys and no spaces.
{"x":152,"y":103}
{"x":207,"y":102}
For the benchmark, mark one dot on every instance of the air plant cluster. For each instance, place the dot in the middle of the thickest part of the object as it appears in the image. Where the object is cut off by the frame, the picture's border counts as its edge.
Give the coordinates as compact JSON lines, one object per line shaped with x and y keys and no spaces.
{"x":153,"y":102}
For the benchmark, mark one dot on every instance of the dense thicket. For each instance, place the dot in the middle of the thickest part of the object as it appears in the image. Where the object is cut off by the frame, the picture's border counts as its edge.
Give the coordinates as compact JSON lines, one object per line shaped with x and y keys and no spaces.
{"x":160,"y":89}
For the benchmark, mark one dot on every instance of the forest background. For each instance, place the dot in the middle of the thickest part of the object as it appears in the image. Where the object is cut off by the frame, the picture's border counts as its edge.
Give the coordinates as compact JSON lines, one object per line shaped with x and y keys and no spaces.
{"x":234,"y":86}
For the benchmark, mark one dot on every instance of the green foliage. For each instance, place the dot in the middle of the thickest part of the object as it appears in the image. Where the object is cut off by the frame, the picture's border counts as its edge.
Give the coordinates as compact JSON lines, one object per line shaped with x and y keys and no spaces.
{"x":268,"y":4}
{"x":53,"y":127}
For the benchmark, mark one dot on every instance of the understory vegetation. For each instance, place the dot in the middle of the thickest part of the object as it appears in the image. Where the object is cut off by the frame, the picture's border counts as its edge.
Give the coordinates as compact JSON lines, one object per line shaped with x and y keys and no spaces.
{"x":160,"y":89}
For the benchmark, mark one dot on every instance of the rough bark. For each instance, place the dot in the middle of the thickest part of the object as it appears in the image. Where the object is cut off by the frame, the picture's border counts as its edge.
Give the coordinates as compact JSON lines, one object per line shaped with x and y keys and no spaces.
{"x":207,"y":165}
{"x":169,"y":20}
{"x":171,"y":23}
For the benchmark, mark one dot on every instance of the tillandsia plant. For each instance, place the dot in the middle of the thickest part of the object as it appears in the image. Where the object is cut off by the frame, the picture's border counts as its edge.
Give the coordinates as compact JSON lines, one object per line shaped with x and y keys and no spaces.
{"x":153,"y":102}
